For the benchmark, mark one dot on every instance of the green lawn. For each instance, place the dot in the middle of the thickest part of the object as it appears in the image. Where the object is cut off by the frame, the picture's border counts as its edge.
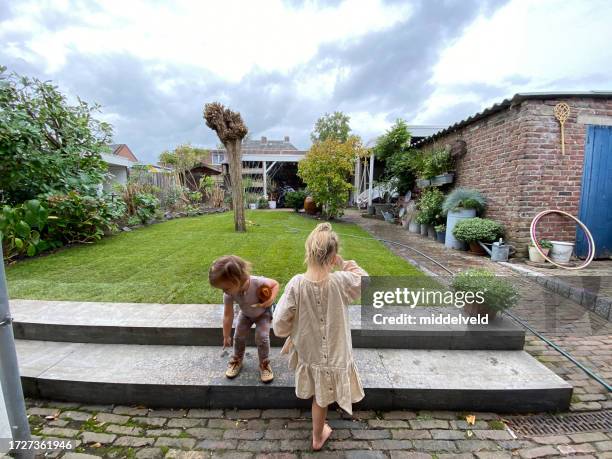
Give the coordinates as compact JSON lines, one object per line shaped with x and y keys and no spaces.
{"x":168,"y":262}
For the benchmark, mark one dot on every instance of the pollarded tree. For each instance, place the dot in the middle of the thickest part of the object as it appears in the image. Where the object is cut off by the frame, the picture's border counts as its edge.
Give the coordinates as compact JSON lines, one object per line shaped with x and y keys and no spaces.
{"x":231,"y":130}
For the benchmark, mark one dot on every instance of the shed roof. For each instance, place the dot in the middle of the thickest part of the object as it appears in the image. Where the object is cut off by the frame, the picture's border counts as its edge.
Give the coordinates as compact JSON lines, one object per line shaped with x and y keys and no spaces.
{"x":506,"y":103}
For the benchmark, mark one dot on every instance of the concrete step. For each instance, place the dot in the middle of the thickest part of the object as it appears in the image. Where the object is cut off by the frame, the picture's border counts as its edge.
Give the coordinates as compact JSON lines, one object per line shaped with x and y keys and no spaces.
{"x":193,"y":376}
{"x":201,"y":325}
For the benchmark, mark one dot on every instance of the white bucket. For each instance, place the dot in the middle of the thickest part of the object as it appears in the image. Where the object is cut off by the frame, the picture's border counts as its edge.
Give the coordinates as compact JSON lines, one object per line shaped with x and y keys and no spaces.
{"x":561,"y":251}
{"x":272,"y":204}
{"x":252,"y":206}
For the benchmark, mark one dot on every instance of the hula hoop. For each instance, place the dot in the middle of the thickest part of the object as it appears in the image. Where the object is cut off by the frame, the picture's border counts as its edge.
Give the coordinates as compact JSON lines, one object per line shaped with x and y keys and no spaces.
{"x":536,"y":244}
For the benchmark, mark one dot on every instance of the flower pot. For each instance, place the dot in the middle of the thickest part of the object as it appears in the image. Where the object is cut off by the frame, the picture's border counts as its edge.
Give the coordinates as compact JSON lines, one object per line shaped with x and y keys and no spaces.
{"x":371,"y":210}
{"x":476,"y":248}
{"x":272,"y":204}
{"x":535,"y":256}
{"x":309,"y":206}
{"x":422,"y":183}
{"x":453,"y":217}
{"x":423,"y":229}
{"x":252,"y":206}
{"x":414,"y":226}
{"x":443,"y":179}
{"x":475,"y":309}
{"x":440,"y":236}
{"x":561,"y":252}
{"x":431,"y":232}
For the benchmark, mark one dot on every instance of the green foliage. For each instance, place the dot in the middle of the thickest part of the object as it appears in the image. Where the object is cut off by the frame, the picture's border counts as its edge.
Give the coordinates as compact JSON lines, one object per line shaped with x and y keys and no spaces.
{"x":465,"y":198}
{"x":436,"y":163}
{"x":395,"y":140}
{"x":333,"y":127}
{"x":295,"y":199}
{"x":399,"y":168}
{"x":326,"y":170}
{"x":21,"y":227}
{"x":80,"y":218}
{"x":262,"y":203}
{"x":497,"y":293}
{"x":47,"y":145}
{"x":440,"y":228}
{"x":478,"y":229}
{"x":545,"y":244}
{"x":146,"y":205}
{"x":195,"y":197}
{"x":430,"y":206}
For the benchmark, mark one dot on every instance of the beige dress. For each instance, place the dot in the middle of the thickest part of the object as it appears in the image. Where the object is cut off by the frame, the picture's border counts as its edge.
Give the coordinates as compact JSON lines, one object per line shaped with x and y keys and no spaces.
{"x":314,"y":316}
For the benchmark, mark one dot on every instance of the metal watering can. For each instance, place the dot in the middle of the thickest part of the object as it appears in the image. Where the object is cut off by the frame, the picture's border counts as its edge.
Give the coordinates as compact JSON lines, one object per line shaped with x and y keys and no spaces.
{"x":499,"y":251}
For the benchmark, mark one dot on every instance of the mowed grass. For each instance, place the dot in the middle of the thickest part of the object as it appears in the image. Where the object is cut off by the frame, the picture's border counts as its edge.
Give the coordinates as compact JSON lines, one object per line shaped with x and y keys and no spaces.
{"x":168,"y":262}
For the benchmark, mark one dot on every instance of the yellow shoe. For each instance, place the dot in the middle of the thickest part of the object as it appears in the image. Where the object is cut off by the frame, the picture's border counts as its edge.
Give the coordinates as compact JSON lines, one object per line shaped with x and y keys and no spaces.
{"x":266,"y":372}
{"x":234,"y":367}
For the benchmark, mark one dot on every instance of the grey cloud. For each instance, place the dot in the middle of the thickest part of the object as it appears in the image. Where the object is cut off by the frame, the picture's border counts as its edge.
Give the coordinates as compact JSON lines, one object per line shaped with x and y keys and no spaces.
{"x":389,"y":73}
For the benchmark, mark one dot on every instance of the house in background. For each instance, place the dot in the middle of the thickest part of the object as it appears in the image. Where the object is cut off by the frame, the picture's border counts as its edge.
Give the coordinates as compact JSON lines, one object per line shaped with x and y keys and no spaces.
{"x":513,"y":156}
{"x":119,"y":161}
{"x":263,"y":161}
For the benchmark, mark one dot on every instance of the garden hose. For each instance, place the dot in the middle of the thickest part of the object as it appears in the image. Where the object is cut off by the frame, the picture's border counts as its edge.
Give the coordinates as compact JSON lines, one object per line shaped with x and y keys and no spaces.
{"x":518,"y":320}
{"x":532,"y":231}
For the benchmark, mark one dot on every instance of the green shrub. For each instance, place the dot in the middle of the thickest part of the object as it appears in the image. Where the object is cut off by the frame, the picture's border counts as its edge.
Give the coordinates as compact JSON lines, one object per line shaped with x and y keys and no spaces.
{"x":195,"y":197}
{"x":436,"y":163}
{"x":478,"y":229}
{"x":430,"y":206}
{"x":80,"y":218}
{"x":21,"y":227}
{"x":440,"y":228}
{"x":146,"y":204}
{"x":295,"y":199}
{"x":464,"y":198}
{"x":262,"y":203}
{"x":497,"y":293}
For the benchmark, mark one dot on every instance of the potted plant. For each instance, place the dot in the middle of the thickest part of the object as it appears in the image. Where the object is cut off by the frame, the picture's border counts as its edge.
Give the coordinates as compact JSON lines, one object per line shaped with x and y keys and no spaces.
{"x":295,"y":199}
{"x":491,"y":294}
{"x":461,"y":203}
{"x":262,"y":203}
{"x":534,"y":255}
{"x":436,"y":167}
{"x":474,"y":230}
{"x":430,"y":209}
{"x":440,"y":232}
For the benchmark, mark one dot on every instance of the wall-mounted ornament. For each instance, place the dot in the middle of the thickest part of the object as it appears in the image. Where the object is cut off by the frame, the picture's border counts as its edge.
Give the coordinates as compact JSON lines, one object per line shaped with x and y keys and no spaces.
{"x":562,"y":113}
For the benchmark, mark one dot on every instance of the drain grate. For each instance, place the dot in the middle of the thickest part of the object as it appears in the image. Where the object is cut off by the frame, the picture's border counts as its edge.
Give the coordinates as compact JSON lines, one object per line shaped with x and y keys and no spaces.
{"x":546,"y":424}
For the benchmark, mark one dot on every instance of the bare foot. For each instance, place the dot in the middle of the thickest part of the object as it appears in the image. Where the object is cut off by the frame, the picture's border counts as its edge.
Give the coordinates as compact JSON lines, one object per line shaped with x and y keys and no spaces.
{"x":318,"y":444}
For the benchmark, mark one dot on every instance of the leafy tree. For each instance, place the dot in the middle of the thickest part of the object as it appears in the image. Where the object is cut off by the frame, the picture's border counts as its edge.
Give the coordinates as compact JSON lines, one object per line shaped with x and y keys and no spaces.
{"x":182,"y":160}
{"x":47,"y":145}
{"x":326,"y":170}
{"x":334,"y":126}
{"x":396,"y":139}
{"x":231,"y":130}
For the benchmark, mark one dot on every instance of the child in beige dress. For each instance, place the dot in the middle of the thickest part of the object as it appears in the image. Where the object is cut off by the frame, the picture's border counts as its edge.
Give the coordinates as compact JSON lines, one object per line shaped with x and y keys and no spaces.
{"x":313,"y":313}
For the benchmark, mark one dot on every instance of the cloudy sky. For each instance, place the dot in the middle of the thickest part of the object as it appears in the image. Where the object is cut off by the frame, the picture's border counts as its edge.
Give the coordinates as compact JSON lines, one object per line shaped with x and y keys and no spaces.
{"x":153,"y":64}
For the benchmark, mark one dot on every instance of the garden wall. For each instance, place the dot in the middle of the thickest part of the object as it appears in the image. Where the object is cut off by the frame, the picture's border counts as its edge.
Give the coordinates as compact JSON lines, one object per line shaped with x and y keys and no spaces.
{"x":514,"y":158}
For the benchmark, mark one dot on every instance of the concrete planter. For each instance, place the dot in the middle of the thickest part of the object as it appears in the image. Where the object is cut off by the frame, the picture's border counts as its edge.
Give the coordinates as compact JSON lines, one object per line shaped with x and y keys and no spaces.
{"x":453,"y":217}
{"x":431,"y":232}
{"x":440,"y":236}
{"x":423,"y":229}
{"x":272,"y":204}
{"x":535,"y":256}
{"x":561,"y":252}
{"x":414,"y":227}
{"x":252,"y":206}
{"x":443,"y":179}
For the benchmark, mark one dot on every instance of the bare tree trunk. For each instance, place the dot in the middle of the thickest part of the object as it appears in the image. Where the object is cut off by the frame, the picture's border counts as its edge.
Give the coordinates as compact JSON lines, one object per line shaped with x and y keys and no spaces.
{"x":234,"y":149}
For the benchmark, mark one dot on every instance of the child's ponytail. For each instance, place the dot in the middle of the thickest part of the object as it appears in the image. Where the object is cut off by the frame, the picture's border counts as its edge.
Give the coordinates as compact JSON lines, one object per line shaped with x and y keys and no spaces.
{"x":321,"y":246}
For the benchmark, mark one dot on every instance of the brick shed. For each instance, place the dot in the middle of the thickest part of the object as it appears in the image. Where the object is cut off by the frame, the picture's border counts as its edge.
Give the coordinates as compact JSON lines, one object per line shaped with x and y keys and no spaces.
{"x":513,"y":156}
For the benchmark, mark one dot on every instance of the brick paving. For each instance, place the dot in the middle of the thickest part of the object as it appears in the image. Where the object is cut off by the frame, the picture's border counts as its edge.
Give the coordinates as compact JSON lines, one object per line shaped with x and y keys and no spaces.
{"x":140,"y":432}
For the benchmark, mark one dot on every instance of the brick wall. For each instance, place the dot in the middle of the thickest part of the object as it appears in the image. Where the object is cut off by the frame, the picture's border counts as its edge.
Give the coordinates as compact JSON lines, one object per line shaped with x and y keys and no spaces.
{"x":514,"y":158}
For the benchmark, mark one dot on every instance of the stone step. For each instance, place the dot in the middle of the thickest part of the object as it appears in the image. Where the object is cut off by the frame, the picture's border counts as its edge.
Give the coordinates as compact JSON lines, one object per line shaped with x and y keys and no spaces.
{"x":201,"y":325}
{"x":193,"y":376}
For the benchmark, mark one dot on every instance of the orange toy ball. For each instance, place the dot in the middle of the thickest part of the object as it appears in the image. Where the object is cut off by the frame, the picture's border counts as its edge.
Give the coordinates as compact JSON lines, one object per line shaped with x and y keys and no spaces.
{"x":264,"y":293}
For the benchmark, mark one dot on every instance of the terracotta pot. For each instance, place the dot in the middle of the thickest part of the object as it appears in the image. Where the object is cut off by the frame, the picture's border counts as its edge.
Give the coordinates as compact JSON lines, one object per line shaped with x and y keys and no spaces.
{"x":476,"y":248}
{"x":474,"y":309}
{"x":309,"y":206}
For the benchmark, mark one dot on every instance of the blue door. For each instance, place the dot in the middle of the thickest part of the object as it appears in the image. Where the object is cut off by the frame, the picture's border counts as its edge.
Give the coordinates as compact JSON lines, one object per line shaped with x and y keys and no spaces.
{"x":596,"y":195}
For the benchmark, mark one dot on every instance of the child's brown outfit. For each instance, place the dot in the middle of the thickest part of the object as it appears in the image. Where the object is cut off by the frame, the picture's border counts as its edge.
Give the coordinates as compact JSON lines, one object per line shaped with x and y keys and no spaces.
{"x":315,"y":317}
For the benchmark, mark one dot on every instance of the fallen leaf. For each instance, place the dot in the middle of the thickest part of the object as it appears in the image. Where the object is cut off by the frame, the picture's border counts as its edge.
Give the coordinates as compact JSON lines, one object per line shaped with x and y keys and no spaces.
{"x":470,"y":433}
{"x":96,"y":445}
{"x":471,"y":419}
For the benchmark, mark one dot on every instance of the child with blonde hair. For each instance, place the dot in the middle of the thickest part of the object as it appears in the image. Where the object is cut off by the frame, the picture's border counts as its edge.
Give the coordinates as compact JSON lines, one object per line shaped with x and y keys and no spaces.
{"x":232,"y":274}
{"x":313,"y":313}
